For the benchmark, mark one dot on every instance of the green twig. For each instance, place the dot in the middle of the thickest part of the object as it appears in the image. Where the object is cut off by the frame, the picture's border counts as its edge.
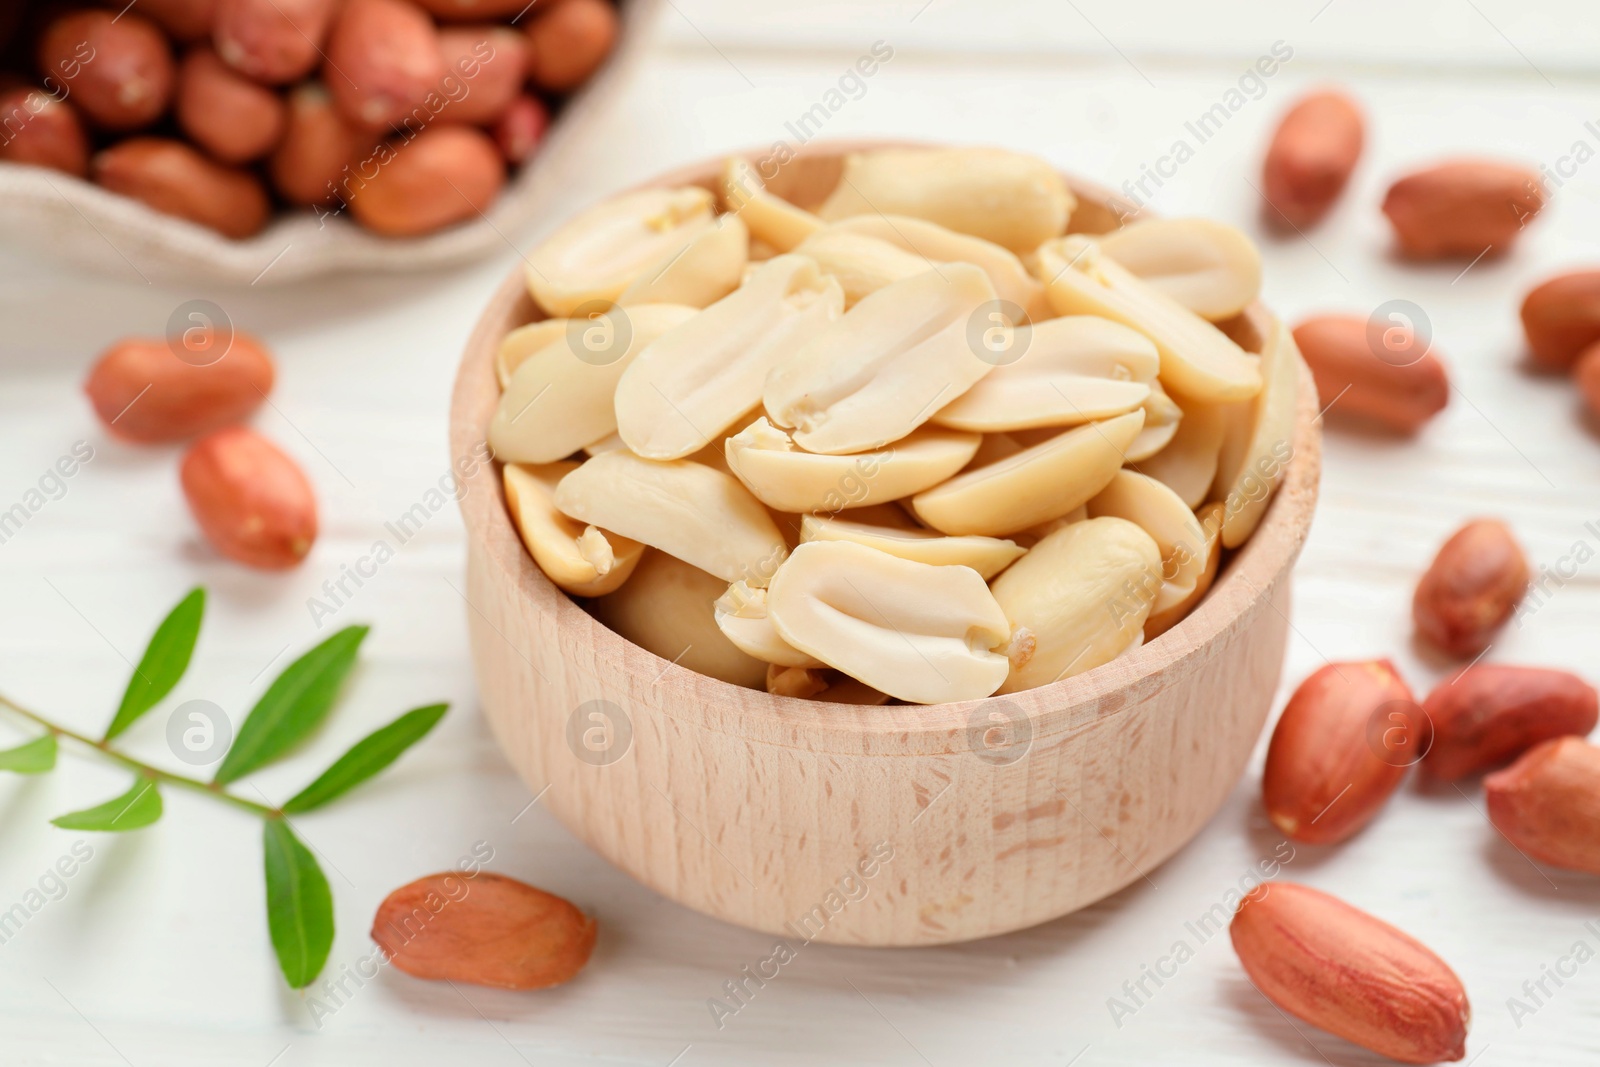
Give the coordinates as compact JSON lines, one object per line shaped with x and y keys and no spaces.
{"x":105,"y":749}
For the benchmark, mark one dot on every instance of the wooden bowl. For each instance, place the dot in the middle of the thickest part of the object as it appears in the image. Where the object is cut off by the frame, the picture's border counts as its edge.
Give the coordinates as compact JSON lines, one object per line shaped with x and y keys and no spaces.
{"x":901,"y":825}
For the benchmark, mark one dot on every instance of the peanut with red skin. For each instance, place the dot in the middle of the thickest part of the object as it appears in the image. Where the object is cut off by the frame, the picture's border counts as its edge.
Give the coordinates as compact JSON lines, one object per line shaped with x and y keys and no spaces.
{"x":272,"y":41}
{"x":143,"y":392}
{"x":1323,"y":779}
{"x":42,"y":131}
{"x":522,"y":128}
{"x":1351,"y":974}
{"x":173,"y":178}
{"x":252,"y":502}
{"x":446,"y":175}
{"x":389,"y":52}
{"x":1400,"y":392}
{"x":1547,"y":803}
{"x":485,"y":929}
{"x":1561,"y":317}
{"x":1311,"y":157}
{"x":227,"y":114}
{"x":318,"y":144}
{"x":489,"y":61}
{"x":1489,"y":714}
{"x":184,"y":20}
{"x":1586,"y":372}
{"x":1471,"y":588}
{"x":569,"y":42}
{"x":124,"y":81}
{"x":1463,"y":207}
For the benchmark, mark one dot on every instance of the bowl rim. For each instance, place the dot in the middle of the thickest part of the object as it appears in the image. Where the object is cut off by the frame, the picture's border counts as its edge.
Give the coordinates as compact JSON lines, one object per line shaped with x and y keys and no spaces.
{"x":1247,"y":579}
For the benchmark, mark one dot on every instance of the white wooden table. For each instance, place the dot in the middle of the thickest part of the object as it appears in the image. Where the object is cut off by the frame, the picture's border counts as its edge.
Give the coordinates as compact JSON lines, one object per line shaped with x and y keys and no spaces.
{"x":157,"y":953}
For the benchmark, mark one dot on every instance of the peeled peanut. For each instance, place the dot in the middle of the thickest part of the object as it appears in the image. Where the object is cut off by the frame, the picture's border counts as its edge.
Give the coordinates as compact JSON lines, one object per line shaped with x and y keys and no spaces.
{"x":935,"y":244}
{"x":707,"y":269}
{"x":568,"y":43}
{"x":1016,"y":201}
{"x":694,"y":381}
{"x":560,"y":398}
{"x":1209,"y":267}
{"x":822,"y":684}
{"x":765,"y":459}
{"x":583,"y":560}
{"x":861,"y":264}
{"x":273,"y":41}
{"x":485,"y":929}
{"x":1397,"y":387}
{"x":1033,"y":486}
{"x":143,"y":392}
{"x":1187,"y":464}
{"x":227,"y":114}
{"x":599,"y":253}
{"x":1070,"y":371}
{"x":318,"y":145}
{"x":1175,"y":611}
{"x":986,"y":555}
{"x":1082,"y":594}
{"x":1311,"y":157}
{"x":384,"y":60}
{"x":771,"y":219}
{"x":252,"y":502}
{"x":174,"y":179}
{"x":702,"y":516}
{"x":1197,"y":359}
{"x":184,"y":20}
{"x":886,"y":366}
{"x":741,"y":615}
{"x":1471,"y":588}
{"x":1462,"y":208}
{"x":613,"y":443}
{"x":666,"y":608}
{"x":1034,"y":534}
{"x":521,"y":128}
{"x":117,"y":69}
{"x":444,"y":176}
{"x":1162,"y":417}
{"x":1270,"y":446}
{"x":1561,"y":317}
{"x":41,"y":131}
{"x":523,"y":342}
{"x":914,"y":631}
{"x":1176,"y":530}
{"x":484,"y":68}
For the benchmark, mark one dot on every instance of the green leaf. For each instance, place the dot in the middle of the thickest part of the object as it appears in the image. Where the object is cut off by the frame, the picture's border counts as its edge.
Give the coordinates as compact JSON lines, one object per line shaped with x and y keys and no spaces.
{"x":293,"y":706}
{"x":367,"y":757}
{"x":165,"y":660}
{"x":137,"y":808}
{"x":35,"y":757}
{"x":299,"y":904}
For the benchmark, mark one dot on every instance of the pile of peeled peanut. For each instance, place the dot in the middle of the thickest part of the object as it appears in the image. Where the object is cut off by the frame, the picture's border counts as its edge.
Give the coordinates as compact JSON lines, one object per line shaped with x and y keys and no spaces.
{"x":920,"y":443}
{"x":405,"y":112}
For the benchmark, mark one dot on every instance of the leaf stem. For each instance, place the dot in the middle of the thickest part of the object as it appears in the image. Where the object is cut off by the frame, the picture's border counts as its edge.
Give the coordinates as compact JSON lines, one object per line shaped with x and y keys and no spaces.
{"x":105,"y":749}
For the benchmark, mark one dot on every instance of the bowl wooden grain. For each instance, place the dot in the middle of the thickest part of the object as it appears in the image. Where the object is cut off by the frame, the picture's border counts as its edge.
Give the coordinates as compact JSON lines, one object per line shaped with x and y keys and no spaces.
{"x":898,"y":825}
